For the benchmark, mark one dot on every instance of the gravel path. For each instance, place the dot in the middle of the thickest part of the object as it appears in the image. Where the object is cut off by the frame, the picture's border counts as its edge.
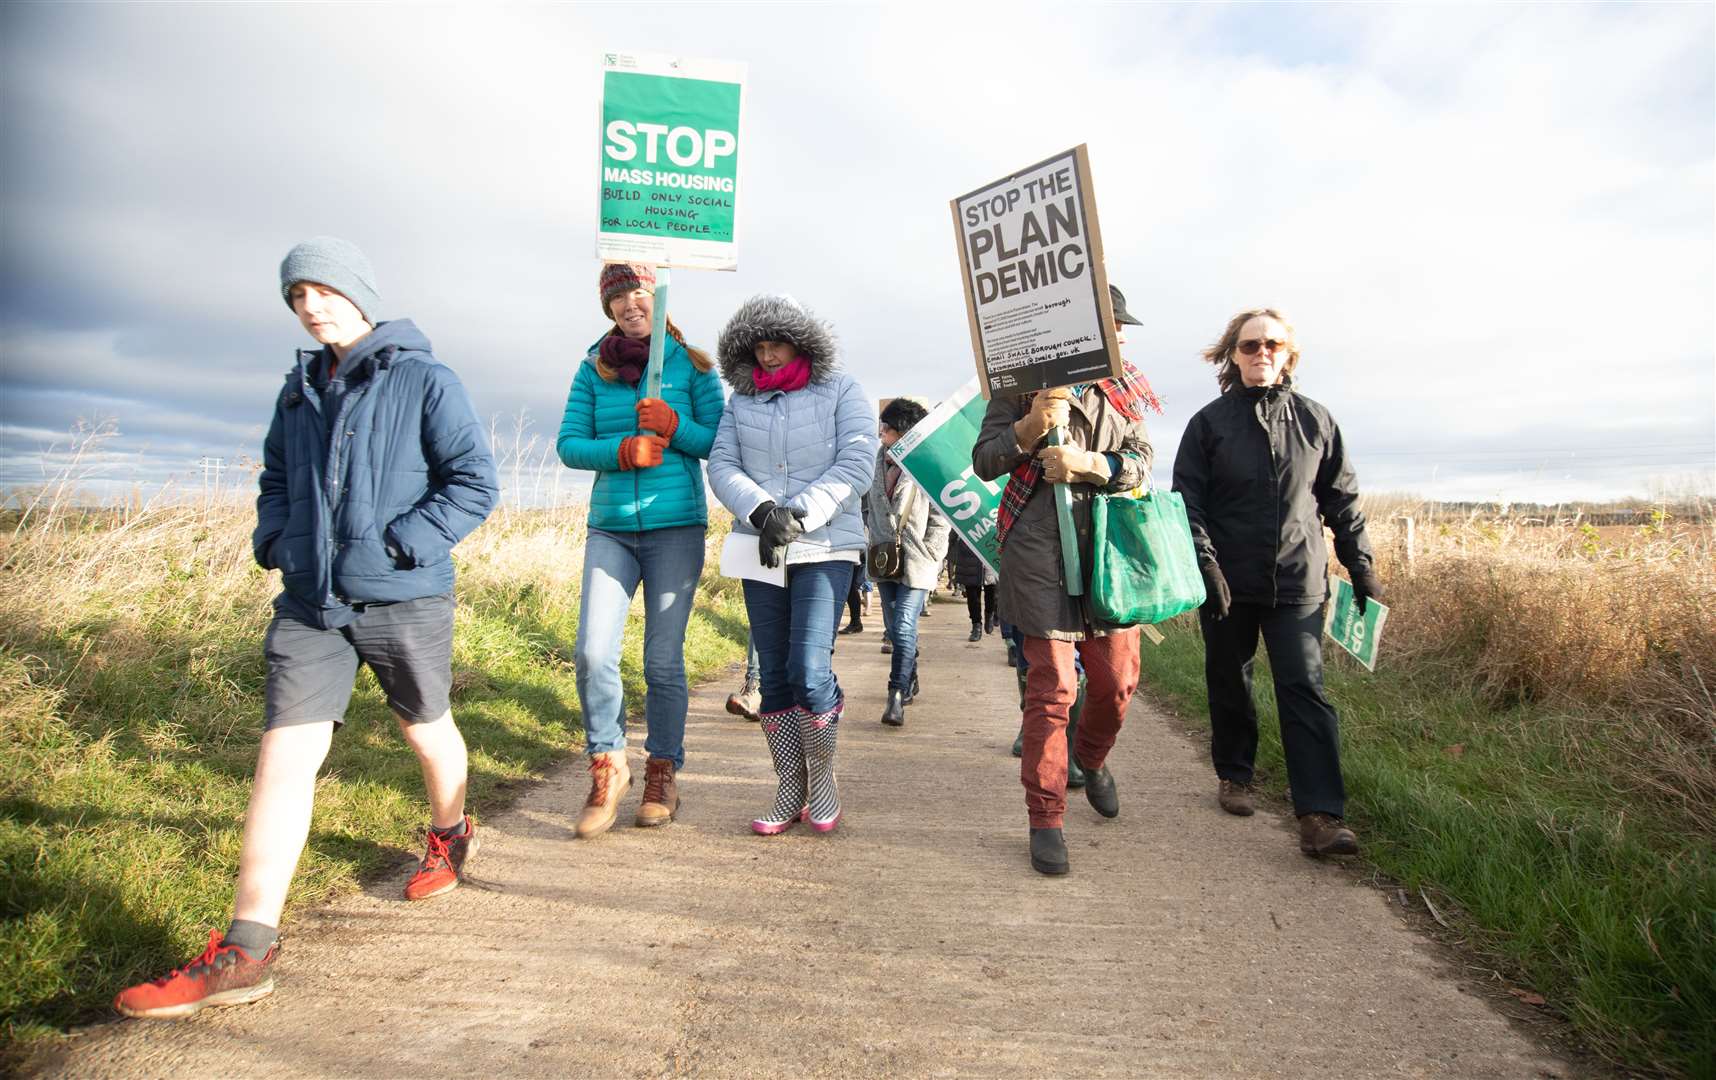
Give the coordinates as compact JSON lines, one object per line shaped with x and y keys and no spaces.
{"x":914,"y":941}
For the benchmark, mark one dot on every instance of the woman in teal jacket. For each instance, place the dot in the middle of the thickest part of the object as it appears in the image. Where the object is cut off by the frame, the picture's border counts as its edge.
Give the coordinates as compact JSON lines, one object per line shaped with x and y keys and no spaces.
{"x":648,"y":517}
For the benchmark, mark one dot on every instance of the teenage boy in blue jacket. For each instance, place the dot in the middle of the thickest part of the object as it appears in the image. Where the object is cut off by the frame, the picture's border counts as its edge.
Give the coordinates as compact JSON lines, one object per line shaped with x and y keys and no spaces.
{"x":374,"y":467}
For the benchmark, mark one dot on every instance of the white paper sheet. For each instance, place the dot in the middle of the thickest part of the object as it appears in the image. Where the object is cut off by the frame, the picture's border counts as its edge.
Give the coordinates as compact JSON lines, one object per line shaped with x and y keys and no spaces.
{"x":741,"y":559}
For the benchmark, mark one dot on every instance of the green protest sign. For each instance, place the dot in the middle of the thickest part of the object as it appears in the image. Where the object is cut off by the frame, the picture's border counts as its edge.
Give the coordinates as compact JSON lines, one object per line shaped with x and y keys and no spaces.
{"x":670,"y":161}
{"x":1357,"y":634}
{"x":936,"y":454}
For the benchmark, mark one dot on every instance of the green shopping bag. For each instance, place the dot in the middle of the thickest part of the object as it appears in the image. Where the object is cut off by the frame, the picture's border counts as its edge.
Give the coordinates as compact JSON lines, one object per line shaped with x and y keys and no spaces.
{"x":1143,"y":566}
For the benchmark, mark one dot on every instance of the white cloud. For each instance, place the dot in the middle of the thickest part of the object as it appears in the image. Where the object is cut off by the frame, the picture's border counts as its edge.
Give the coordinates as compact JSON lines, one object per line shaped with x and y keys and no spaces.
{"x":1484,"y":220}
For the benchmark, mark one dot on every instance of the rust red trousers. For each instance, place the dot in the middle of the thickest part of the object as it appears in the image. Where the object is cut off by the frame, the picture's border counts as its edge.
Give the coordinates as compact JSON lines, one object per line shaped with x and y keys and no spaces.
{"x":1051,"y":687}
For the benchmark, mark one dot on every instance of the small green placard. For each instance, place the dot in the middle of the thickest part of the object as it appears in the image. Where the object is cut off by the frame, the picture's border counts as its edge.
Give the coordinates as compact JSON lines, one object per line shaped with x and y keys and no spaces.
{"x":936,"y":454}
{"x":1357,"y":634}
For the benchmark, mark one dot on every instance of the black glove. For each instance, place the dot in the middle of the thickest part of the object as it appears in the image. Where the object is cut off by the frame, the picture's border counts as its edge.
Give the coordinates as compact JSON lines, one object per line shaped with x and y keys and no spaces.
{"x":777,"y":526}
{"x":1218,"y":601}
{"x":1365,"y":586}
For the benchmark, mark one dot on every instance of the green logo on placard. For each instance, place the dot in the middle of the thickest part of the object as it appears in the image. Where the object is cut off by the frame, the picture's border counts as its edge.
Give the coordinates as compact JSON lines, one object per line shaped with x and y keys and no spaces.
{"x":670,"y":156}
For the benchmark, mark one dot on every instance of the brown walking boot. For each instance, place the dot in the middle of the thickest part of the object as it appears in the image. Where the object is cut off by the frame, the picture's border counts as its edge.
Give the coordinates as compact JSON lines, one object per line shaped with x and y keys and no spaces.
{"x":1237,"y":798}
{"x":660,"y":796}
{"x":1325,"y":834}
{"x":609,"y":779}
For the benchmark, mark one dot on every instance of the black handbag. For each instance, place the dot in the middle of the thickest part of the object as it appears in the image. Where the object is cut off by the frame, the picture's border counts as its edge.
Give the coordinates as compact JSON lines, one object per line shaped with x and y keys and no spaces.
{"x":888,"y":559}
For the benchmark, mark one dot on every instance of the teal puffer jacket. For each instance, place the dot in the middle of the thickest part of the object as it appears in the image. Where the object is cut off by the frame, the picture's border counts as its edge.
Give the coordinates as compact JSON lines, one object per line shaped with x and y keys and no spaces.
{"x":599,"y":414}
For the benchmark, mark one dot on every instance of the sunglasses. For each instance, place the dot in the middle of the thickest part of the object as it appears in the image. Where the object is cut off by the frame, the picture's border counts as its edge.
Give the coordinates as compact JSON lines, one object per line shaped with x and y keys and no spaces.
{"x":1250,"y":346}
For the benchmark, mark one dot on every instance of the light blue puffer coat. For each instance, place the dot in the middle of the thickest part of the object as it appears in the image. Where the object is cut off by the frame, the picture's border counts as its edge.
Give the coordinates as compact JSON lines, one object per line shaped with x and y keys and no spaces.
{"x":812,"y":449}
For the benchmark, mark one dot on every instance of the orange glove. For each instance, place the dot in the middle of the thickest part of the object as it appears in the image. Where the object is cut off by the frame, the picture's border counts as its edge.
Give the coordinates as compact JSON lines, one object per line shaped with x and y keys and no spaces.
{"x":658,"y":416}
{"x":641,"y":451}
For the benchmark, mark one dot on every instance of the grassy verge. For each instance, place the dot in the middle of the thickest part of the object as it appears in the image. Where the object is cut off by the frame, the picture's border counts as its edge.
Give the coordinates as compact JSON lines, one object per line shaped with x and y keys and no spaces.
{"x":131,"y":679}
{"x":1601,"y":900}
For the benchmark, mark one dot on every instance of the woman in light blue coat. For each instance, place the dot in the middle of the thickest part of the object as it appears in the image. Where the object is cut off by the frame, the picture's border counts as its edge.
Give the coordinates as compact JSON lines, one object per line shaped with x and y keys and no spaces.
{"x":795,"y":451}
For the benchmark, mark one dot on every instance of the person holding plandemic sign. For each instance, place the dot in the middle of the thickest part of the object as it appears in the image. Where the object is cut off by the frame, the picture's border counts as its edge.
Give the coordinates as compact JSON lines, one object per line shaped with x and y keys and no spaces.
{"x":1258,"y":467}
{"x":1103,"y":447}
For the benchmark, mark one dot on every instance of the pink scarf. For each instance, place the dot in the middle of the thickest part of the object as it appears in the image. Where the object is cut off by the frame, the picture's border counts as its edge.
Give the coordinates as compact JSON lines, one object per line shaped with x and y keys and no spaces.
{"x":790,"y":376}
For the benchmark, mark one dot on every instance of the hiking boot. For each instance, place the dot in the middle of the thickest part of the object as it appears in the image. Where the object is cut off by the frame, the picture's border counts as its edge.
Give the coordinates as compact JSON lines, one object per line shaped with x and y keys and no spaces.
{"x":1099,"y":788}
{"x":609,"y":779}
{"x":1326,"y":834}
{"x":895,"y":713}
{"x":1048,"y":851}
{"x":222,"y":975}
{"x":660,"y":796}
{"x":1237,"y":798}
{"x":443,"y":863}
{"x":853,"y":627}
{"x":976,"y":632}
{"x":746,"y":702}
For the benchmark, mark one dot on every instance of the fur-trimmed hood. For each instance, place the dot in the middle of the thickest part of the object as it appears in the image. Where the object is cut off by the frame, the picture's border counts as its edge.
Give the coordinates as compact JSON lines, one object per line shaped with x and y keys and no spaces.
{"x":774,"y":318}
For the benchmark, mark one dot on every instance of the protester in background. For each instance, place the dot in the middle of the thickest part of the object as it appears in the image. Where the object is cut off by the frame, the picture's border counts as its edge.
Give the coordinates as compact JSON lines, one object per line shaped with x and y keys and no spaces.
{"x":972,"y":574}
{"x":900,"y":512}
{"x":858,"y":594}
{"x":1105,"y":449}
{"x":367,"y":579}
{"x":749,"y":698}
{"x":794,"y":454}
{"x":648,"y":517}
{"x":1262,"y":470}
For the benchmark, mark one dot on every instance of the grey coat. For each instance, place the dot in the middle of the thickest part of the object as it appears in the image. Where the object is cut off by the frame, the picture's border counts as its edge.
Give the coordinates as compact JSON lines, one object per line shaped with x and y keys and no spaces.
{"x":812,"y":449}
{"x":923,"y":533}
{"x":1033,"y":593}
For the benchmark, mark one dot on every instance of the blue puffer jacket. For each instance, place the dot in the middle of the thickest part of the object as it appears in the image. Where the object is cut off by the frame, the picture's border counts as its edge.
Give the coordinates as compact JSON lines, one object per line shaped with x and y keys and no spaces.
{"x":812,"y":449}
{"x":368,"y":480}
{"x":600,"y":414}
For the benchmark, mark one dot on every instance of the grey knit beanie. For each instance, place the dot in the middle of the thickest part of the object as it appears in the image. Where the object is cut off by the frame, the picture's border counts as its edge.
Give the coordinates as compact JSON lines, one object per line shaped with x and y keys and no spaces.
{"x":336,"y":263}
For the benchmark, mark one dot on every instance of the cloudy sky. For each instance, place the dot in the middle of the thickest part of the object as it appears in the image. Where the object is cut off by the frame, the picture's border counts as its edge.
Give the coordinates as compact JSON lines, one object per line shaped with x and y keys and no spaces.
{"x":1493,"y":225}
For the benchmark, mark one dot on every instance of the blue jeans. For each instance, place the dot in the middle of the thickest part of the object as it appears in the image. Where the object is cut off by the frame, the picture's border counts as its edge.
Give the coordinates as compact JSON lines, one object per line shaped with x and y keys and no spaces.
{"x":753,"y":666}
{"x":668,"y":562}
{"x":793,"y":631}
{"x":900,"y":608}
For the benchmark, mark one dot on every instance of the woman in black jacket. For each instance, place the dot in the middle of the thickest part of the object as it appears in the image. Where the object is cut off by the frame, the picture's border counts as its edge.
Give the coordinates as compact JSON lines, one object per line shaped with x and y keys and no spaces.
{"x":1262,"y":469}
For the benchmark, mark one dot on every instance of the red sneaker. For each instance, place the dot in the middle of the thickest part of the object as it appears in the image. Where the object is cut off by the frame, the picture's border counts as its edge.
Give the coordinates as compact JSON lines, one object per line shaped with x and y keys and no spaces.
{"x":222,"y":975}
{"x":442,"y":863}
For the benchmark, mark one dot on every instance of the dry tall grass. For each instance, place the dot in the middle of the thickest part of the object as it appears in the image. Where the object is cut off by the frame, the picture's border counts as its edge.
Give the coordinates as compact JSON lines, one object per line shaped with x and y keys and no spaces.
{"x":1615,"y":627}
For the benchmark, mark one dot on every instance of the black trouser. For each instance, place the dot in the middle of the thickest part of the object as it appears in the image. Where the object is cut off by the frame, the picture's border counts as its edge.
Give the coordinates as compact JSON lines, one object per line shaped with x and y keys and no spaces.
{"x":979,"y":599}
{"x":1310,"y":732}
{"x":854,"y":600}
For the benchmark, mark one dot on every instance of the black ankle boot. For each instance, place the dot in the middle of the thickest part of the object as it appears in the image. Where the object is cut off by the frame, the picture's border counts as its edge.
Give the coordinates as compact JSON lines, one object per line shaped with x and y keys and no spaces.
{"x":1048,"y":851}
{"x":1100,"y":789}
{"x":976,"y":632}
{"x":895,"y":714}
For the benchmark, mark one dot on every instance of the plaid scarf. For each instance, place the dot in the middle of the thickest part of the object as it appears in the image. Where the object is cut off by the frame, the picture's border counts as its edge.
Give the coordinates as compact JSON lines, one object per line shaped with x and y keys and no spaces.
{"x":1130,"y":393}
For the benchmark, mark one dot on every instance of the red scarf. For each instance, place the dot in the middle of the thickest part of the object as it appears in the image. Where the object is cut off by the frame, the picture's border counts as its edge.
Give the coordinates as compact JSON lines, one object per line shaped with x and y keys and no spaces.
{"x":626,"y":357}
{"x":794,"y":375}
{"x":1130,"y":393}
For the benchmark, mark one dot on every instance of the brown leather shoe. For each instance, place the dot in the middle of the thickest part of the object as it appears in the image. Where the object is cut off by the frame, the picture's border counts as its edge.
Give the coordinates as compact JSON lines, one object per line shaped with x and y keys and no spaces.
{"x":1325,"y":834}
{"x":661,"y":794}
{"x":609,"y":779}
{"x":1237,"y":798}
